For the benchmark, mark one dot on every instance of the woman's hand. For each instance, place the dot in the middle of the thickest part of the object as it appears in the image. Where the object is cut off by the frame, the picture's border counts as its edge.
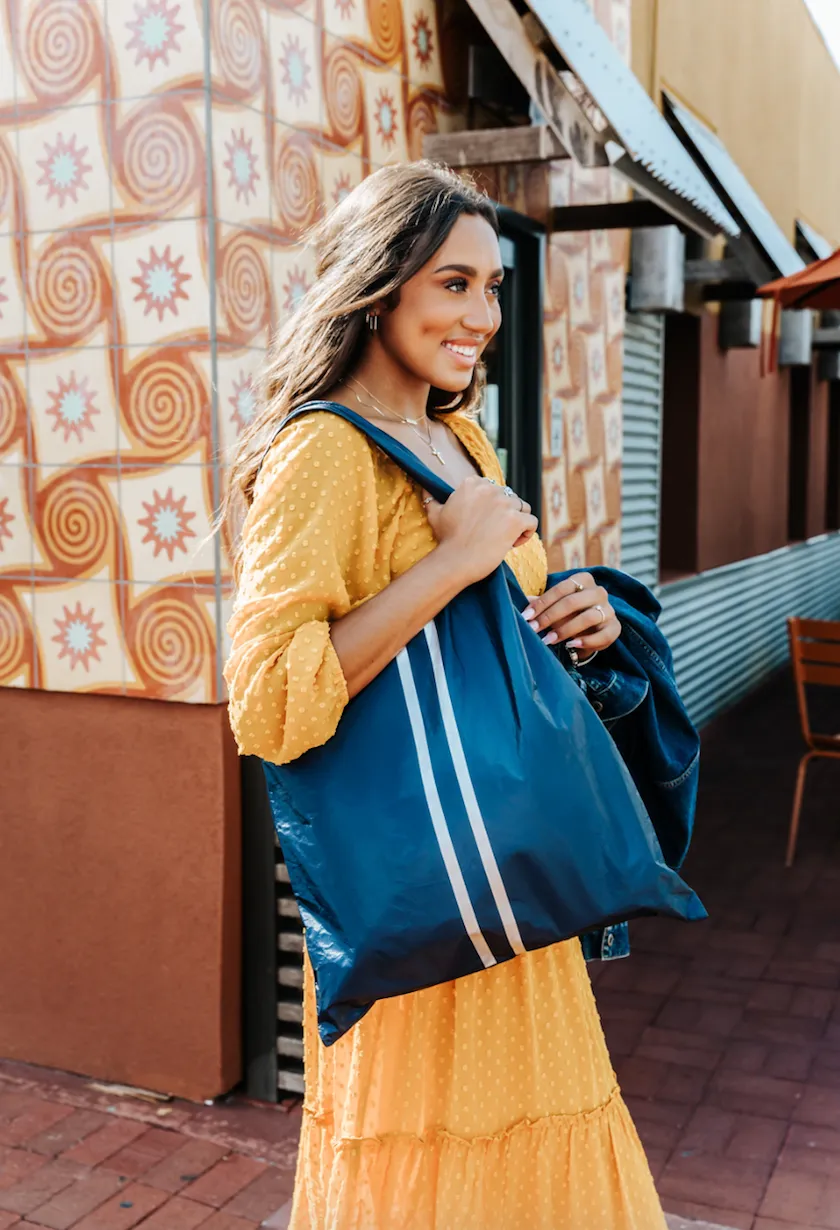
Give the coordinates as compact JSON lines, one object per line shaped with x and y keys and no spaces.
{"x":577,"y":612}
{"x":478,"y":525}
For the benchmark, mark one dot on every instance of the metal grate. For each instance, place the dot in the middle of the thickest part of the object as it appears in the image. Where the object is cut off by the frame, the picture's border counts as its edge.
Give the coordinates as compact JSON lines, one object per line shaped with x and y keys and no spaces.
{"x":289,"y":983}
{"x":641,"y":428}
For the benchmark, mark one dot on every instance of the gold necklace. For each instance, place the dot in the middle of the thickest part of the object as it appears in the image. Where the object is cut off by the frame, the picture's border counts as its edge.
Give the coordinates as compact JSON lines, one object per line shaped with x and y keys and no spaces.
{"x":393,"y":416}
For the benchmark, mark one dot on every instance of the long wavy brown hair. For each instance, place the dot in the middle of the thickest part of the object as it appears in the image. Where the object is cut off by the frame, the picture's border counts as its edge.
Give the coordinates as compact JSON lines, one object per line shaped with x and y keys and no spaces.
{"x":380,"y":235}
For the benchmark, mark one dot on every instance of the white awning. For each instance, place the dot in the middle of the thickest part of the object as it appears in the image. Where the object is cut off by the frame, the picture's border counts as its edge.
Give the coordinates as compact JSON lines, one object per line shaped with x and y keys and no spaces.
{"x":757,"y":224}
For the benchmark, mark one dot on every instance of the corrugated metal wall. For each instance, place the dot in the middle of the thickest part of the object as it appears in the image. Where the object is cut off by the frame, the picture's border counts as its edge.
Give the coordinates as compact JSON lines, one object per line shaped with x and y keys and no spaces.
{"x":641,"y":420}
{"x":727,"y":626}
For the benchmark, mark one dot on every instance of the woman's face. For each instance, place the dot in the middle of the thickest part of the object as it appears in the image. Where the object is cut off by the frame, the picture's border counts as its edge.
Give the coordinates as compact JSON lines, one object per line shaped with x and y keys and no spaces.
{"x":449,"y":310}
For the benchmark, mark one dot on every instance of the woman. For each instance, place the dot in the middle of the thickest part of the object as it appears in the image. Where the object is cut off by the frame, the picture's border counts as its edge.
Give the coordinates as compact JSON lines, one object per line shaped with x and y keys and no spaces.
{"x":487,"y":1103}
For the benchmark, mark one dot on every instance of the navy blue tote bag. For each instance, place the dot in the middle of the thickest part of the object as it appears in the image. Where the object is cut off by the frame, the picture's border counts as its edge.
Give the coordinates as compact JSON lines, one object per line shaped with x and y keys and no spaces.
{"x":469,"y":808}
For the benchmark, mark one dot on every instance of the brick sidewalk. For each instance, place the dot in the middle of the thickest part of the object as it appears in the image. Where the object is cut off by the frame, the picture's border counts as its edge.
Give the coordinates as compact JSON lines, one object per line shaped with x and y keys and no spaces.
{"x":74,"y":1157}
{"x":726,"y":1034}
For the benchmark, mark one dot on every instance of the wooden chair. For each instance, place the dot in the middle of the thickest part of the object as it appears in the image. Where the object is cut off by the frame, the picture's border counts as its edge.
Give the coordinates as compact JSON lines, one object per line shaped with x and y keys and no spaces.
{"x":815,"y":654}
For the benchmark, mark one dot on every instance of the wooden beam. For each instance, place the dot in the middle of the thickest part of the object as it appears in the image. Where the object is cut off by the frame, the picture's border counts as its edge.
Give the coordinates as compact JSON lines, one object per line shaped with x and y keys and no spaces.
{"x":702,"y":272}
{"x":563,"y":113}
{"x":617,"y":215}
{"x":485,"y":146}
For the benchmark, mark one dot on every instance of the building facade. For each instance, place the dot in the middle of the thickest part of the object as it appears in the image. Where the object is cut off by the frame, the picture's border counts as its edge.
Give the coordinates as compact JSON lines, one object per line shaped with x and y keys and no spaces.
{"x":160,"y":164}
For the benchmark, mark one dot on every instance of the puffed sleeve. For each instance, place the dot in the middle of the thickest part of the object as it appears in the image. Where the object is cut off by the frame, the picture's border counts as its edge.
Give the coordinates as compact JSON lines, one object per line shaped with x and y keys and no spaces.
{"x":308,"y":551}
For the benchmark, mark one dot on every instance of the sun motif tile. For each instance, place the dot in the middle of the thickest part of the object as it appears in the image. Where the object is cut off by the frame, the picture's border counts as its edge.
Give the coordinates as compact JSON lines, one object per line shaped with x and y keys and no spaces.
{"x":348,"y":20}
{"x":574,"y":550}
{"x":241,"y":168}
{"x":555,"y":500}
{"x":15,"y":530}
{"x":558,"y":370}
{"x":385,"y":130}
{"x":296,"y":85}
{"x":600,"y":251}
{"x":555,"y":444}
{"x":611,"y":411}
{"x":342,"y":172}
{"x":78,"y":637}
{"x":577,"y":430}
{"x":72,"y":404}
{"x":596,"y":497}
{"x":76,"y":522}
{"x":159,"y":167}
{"x":423,"y":66}
{"x":64,"y":173}
{"x":239,"y":51}
{"x":155,"y":45}
{"x":170,"y":639}
{"x":577,"y":273}
{"x":70,"y":286}
{"x":13,"y":315}
{"x":161,"y":283}
{"x":166,"y":518}
{"x":17,"y":656}
{"x":61,"y":51}
{"x":611,"y":546}
{"x":292,"y":274}
{"x":237,"y":378}
{"x":614,"y":282}
{"x":165,"y":400}
{"x":596,"y":364}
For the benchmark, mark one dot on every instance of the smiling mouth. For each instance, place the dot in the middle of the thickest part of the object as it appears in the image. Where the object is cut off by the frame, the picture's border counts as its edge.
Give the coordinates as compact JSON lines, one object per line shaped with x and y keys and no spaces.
{"x":463,"y":352}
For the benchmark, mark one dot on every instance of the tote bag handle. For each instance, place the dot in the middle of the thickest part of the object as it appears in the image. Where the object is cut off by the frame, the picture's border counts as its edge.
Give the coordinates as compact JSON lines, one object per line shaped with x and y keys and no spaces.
{"x":404,"y":457}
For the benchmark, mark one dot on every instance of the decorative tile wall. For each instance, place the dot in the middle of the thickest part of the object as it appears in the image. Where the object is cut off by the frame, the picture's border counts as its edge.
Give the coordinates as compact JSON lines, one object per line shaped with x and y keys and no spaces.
{"x":160,"y":161}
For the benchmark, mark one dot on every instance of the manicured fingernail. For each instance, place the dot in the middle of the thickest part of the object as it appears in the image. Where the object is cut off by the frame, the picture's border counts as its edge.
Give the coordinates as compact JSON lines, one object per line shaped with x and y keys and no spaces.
{"x":549,"y":638}
{"x":532,"y":623}
{"x":528,"y":613}
{"x":574,"y":644}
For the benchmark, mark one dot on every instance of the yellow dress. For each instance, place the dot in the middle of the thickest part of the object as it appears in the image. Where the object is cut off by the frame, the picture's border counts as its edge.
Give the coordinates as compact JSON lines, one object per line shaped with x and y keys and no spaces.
{"x":487,"y":1103}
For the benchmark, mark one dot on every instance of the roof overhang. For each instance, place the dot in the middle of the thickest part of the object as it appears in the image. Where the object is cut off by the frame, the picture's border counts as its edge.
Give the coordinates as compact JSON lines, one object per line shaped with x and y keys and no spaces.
{"x":596,"y":109}
{"x":762,"y":246}
{"x":815,"y":245}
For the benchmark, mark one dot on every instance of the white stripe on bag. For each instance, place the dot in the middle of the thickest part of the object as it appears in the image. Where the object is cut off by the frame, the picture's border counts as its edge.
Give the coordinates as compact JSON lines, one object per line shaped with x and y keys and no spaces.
{"x":444,"y":838}
{"x":459,"y":760}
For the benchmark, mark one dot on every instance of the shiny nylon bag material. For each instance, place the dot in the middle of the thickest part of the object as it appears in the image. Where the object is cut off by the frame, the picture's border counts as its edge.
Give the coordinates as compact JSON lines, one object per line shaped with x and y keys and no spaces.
{"x":470,"y":807}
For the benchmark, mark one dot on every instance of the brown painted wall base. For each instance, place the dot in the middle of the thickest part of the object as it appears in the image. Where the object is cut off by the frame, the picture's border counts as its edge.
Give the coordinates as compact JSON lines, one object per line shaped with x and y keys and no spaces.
{"x":120,"y":890}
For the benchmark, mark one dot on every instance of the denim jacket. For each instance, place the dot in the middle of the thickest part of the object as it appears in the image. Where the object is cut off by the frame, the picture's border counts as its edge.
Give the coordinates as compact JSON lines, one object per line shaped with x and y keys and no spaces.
{"x":631,"y":686}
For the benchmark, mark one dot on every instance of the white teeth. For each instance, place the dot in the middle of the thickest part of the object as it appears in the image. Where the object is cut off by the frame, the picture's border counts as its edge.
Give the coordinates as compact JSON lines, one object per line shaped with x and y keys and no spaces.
{"x":469,"y":352}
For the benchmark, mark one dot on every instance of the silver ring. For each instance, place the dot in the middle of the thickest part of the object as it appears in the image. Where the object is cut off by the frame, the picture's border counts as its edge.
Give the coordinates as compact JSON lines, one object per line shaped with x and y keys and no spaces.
{"x":509,"y":491}
{"x":603,"y":616}
{"x":428,"y":500}
{"x":521,"y":504}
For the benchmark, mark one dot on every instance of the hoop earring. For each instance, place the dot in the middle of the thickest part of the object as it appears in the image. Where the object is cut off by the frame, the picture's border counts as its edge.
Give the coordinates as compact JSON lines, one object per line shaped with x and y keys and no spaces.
{"x":372,"y":321}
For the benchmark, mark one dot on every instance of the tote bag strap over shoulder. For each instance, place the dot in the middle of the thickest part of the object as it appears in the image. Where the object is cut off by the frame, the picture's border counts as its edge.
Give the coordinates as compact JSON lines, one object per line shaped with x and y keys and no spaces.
{"x":404,"y":457}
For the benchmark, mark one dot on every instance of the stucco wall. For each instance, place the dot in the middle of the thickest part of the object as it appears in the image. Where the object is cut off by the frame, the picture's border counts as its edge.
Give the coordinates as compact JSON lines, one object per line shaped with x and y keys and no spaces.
{"x":759,"y":74}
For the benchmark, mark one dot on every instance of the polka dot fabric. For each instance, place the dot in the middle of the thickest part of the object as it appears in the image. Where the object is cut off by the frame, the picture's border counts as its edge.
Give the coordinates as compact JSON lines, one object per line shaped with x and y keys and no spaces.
{"x":488,"y":1103}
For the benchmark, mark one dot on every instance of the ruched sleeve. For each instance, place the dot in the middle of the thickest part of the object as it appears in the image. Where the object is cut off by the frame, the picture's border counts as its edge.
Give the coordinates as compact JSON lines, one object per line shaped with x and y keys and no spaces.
{"x":308,"y":548}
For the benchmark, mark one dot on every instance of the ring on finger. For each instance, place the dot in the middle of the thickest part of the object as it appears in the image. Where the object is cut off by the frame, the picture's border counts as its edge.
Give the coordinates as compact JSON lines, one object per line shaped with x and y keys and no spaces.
{"x":509,"y":491}
{"x":603,"y":616}
{"x":578,"y":587}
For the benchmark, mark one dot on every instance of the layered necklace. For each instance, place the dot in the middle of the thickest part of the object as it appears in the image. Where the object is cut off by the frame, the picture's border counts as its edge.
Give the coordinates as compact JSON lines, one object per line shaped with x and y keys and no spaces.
{"x":392,"y":416}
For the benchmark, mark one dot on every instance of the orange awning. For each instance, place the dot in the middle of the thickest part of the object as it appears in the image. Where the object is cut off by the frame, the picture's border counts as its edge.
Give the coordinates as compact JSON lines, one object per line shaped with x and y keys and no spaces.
{"x":816,"y":286}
